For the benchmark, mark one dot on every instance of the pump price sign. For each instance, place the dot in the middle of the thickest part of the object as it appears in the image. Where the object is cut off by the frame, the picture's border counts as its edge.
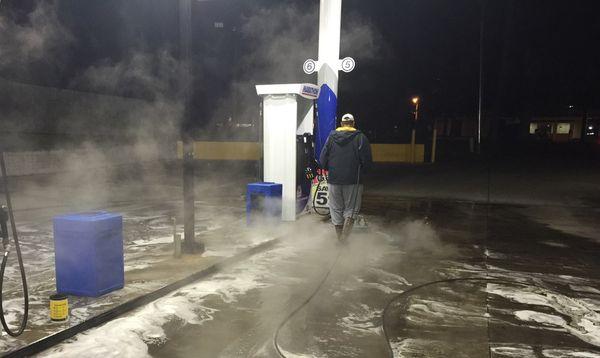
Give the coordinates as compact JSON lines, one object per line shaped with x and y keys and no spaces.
{"x":320,"y":192}
{"x":322,"y":196}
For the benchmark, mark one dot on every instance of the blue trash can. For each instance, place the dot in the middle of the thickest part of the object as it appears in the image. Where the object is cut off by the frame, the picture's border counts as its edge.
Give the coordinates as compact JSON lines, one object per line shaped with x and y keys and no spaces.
{"x":89,"y":253}
{"x":263,"y":200}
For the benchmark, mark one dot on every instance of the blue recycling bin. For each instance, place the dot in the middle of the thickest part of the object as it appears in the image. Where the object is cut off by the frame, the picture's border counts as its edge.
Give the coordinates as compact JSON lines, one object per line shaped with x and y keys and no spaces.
{"x":89,"y":253}
{"x":263,"y":200}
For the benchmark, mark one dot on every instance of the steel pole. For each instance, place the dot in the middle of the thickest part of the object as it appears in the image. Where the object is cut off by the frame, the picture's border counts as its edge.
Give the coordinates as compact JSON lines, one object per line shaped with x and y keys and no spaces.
{"x":434,"y":142}
{"x":189,"y":211}
{"x":481,"y":69}
{"x":413,"y":138}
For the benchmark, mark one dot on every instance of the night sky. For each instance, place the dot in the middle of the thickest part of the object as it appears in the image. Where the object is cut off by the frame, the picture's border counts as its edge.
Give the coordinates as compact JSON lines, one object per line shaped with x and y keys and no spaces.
{"x":540,"y":57}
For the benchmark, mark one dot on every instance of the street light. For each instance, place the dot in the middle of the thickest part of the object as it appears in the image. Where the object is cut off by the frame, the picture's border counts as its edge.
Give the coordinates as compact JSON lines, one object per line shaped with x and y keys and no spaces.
{"x":415,"y":101}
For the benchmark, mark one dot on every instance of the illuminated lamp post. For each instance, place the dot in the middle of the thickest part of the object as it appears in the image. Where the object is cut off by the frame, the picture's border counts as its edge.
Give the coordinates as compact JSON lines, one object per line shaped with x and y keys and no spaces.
{"x":415,"y":101}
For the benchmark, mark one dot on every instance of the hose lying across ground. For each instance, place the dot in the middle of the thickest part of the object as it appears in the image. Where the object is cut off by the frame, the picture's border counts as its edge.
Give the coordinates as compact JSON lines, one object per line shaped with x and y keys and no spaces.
{"x":23,"y":323}
{"x":304,"y":304}
{"x":433,"y":283}
{"x":388,"y":306}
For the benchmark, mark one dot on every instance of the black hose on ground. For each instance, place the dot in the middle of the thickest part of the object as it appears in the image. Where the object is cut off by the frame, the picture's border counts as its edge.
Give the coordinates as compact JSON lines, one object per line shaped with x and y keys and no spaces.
{"x":304,"y":304}
{"x":13,"y":226}
{"x":433,"y":283}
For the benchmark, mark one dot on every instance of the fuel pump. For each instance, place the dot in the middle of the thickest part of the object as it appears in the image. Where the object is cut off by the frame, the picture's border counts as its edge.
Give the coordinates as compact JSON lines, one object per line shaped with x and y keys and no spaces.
{"x":307,"y":168}
{"x":306,"y":159}
{"x":314,"y":180}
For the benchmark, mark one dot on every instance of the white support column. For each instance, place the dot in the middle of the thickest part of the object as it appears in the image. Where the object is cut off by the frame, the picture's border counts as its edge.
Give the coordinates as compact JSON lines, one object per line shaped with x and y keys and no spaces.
{"x":330,"y":24}
{"x":279,"y":141}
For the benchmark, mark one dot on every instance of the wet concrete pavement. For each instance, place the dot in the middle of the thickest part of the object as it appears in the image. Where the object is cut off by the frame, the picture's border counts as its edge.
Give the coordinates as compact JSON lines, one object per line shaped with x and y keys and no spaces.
{"x":545,"y":247}
{"x":148,"y":249}
{"x":544,"y":302}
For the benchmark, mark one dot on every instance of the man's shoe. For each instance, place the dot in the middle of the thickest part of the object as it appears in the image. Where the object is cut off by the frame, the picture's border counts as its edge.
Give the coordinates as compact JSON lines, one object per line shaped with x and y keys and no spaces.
{"x":339,"y":229}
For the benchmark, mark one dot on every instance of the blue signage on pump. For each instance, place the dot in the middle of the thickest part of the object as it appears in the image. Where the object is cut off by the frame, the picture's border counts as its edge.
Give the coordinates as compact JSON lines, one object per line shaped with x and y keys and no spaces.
{"x":310,"y":91}
{"x":326,"y":116}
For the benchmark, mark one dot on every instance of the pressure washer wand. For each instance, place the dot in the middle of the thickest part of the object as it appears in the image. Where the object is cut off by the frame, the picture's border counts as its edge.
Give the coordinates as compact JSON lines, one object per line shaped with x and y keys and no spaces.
{"x":3,"y":226}
{"x":6,"y":245}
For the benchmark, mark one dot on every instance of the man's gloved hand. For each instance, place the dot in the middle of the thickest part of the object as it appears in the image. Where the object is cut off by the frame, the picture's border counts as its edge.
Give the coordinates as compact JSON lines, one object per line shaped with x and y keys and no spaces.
{"x":321,"y":174}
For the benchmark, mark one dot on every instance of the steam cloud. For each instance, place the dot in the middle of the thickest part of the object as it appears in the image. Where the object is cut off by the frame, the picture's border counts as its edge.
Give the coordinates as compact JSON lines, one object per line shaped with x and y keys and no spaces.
{"x":137,"y":123}
{"x":418,"y":235}
{"x":40,"y":37}
{"x":282,"y":37}
{"x":144,"y":128}
{"x":153,"y":76}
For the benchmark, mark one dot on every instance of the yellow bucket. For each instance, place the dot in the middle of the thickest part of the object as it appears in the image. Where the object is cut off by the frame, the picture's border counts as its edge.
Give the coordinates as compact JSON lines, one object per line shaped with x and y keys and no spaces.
{"x":59,"y":307}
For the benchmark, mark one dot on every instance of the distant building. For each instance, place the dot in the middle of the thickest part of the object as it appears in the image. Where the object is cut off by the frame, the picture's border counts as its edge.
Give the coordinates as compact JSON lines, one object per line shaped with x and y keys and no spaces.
{"x":556,"y":129}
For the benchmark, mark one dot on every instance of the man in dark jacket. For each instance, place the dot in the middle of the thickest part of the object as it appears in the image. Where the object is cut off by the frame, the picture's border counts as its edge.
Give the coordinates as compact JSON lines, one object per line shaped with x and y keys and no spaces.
{"x":347,"y":156}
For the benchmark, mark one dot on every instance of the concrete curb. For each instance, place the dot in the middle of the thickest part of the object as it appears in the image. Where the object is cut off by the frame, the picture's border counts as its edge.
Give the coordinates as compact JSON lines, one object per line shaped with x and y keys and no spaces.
{"x":52,"y":340}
